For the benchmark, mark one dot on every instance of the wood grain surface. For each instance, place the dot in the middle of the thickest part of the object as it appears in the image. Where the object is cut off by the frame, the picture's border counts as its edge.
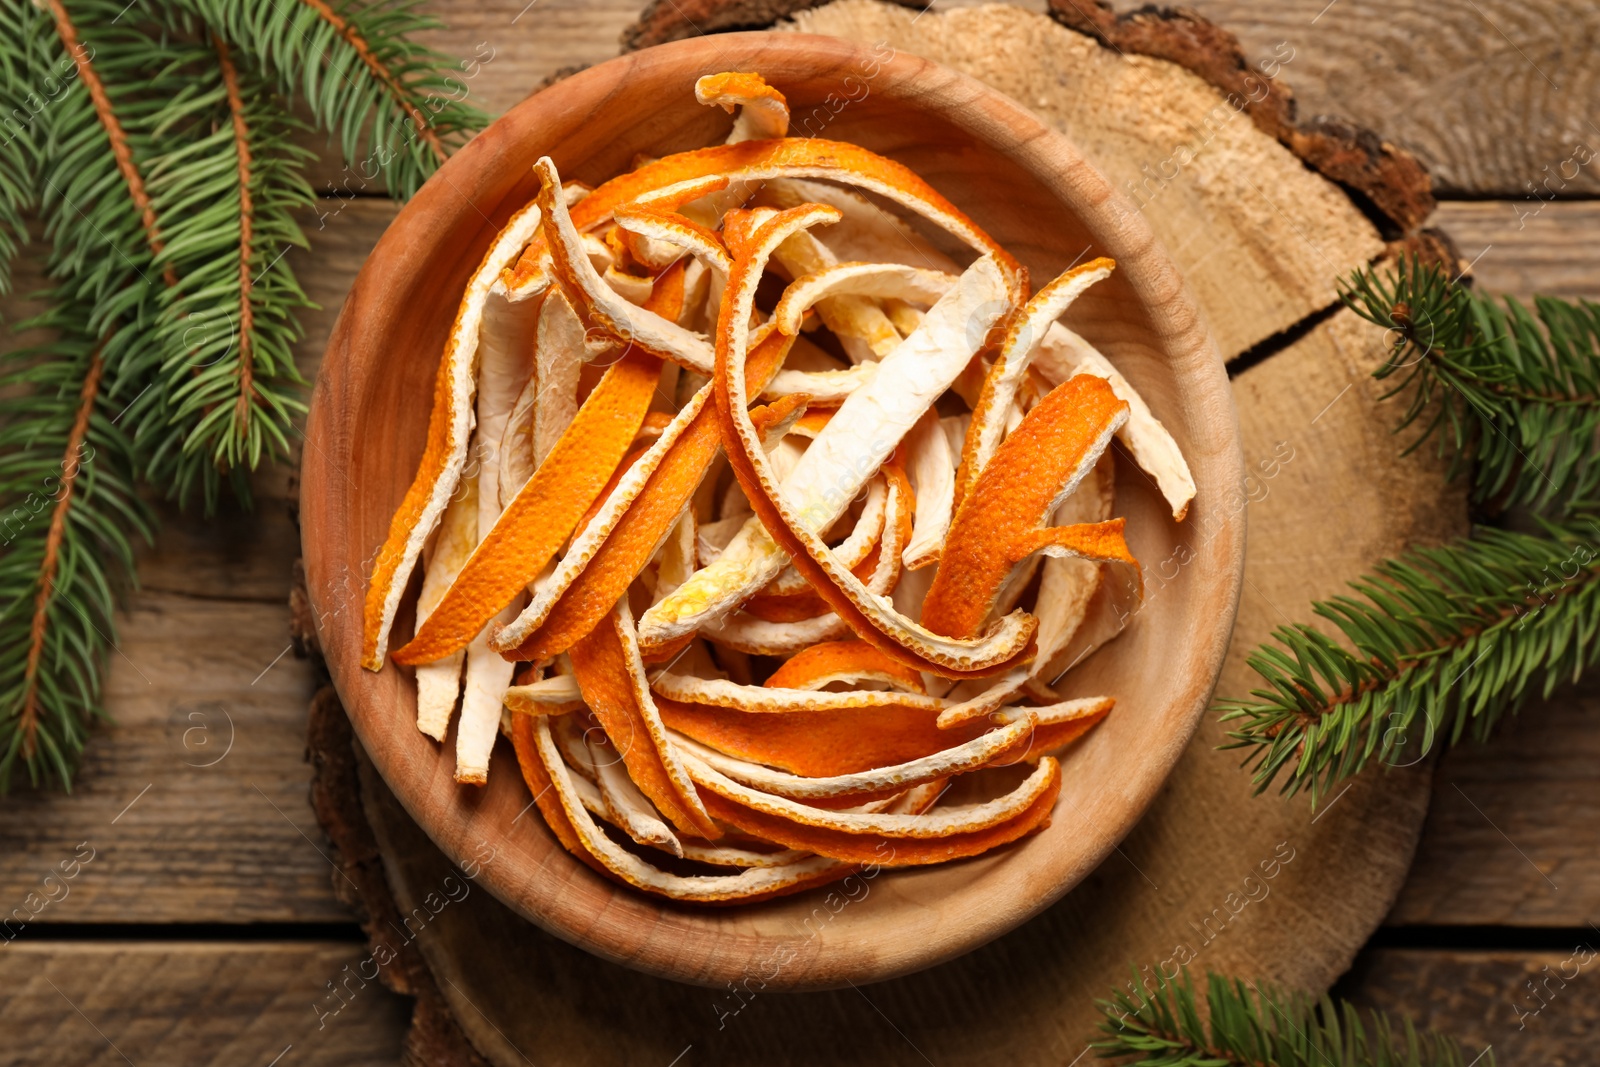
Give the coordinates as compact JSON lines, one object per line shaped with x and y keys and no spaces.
{"x":1467,"y":874}
{"x":197,"y":1003}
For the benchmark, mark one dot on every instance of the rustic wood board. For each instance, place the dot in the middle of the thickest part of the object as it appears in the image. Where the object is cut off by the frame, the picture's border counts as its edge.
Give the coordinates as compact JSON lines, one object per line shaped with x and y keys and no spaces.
{"x":1484,"y":998}
{"x":1524,"y":249}
{"x":197,"y":1004}
{"x":193,"y":805}
{"x":1456,"y":85}
{"x":1513,"y":833}
{"x":1342,"y":72}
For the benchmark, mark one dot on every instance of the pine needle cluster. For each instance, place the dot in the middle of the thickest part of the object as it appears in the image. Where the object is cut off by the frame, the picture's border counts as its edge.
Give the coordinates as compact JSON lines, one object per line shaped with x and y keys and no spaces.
{"x":1259,"y":1025}
{"x":1510,"y":395}
{"x":1442,"y":642}
{"x":150,"y":149}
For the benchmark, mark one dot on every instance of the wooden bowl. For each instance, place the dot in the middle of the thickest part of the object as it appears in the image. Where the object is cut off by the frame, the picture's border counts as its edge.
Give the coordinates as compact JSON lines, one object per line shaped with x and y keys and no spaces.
{"x":1032,"y":190}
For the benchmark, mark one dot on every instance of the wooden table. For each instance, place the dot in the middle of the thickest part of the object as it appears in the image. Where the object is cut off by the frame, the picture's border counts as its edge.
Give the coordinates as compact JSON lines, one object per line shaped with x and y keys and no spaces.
{"x":201,"y":925}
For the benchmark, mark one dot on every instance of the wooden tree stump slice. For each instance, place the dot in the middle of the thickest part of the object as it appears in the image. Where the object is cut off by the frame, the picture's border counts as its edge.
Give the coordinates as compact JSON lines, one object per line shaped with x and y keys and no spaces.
{"x":1265,"y":887}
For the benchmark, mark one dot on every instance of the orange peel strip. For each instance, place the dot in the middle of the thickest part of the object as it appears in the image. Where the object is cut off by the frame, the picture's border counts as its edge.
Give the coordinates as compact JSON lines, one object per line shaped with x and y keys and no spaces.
{"x":584,"y":838}
{"x":614,"y":547}
{"x":1067,"y":585}
{"x":824,"y":743}
{"x":443,"y":458}
{"x":998,"y":524}
{"x":555,"y":695}
{"x":876,"y":280}
{"x":988,"y":700}
{"x":866,"y":234}
{"x":839,"y":462}
{"x":858,"y":322}
{"x":933,"y":474}
{"x":848,"y":838}
{"x":831,"y":662}
{"x":852,"y":551}
{"x":757,"y":636}
{"x":823,"y":387}
{"x":630,"y":811}
{"x":1022,"y":339}
{"x":909,"y":382}
{"x":961,"y":819}
{"x":1146,"y":439}
{"x":439,"y":683}
{"x":533,"y":527}
{"x":993,"y":747}
{"x":611,"y":676}
{"x":674,"y":230}
{"x":792,"y":157}
{"x":719,"y":692}
{"x":597,"y":302}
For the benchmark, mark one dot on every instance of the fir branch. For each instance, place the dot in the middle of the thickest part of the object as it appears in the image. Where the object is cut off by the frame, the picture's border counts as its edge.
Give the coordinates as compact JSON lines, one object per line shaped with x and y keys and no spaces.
{"x":20,"y":100}
{"x":231,"y":181}
{"x":1259,"y":1026}
{"x":1510,"y":394}
{"x":392,"y":103}
{"x":1440,"y":641}
{"x":68,"y":510}
{"x":121,"y":150}
{"x":212,"y":182}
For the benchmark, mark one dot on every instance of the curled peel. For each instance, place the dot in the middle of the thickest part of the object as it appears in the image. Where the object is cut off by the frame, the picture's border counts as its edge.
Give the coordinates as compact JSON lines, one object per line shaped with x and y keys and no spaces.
{"x":903,"y":390}
{"x":1023,"y":336}
{"x":763,"y":112}
{"x":1001,"y":521}
{"x":449,"y":427}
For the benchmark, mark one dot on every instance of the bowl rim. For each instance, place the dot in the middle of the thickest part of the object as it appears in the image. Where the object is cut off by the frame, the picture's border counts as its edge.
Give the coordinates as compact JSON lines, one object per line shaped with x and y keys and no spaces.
{"x":544,"y":896}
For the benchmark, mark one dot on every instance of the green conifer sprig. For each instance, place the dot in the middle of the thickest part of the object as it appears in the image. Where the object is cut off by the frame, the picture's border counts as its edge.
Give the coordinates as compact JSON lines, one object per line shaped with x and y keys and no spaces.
{"x":154,"y":147}
{"x":1439,"y":643}
{"x":394,"y":106}
{"x":1260,"y":1026}
{"x":19,"y":153}
{"x":1510,"y":394}
{"x":70,"y":516}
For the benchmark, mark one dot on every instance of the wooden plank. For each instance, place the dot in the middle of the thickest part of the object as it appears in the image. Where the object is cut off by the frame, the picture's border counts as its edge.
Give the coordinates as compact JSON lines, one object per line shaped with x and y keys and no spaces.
{"x":1524,"y":249}
{"x":1513,"y":833}
{"x":195,"y":1004}
{"x":1491,"y":95}
{"x":1484,"y":999}
{"x":179,"y":824}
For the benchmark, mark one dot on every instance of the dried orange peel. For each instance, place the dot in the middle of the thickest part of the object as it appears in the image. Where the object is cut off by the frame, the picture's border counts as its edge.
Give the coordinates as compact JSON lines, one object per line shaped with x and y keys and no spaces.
{"x":722,"y":407}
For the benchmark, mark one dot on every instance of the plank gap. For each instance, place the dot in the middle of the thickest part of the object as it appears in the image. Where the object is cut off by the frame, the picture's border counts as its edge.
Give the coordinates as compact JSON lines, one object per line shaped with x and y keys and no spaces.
{"x":1482,"y":938}
{"x":192,"y":932}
